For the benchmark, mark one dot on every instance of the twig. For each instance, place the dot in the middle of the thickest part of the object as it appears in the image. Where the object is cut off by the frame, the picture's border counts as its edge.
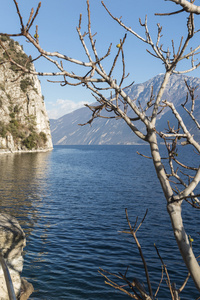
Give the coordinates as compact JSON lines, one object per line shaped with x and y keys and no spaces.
{"x":140,"y":251}
{"x":166,"y":272}
{"x":169,"y":14}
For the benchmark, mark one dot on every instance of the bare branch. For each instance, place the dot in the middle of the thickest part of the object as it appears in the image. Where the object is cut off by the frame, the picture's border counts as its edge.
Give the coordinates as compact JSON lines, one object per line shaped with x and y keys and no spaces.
{"x":29,"y":20}
{"x":148,"y":40}
{"x":178,"y":117}
{"x":188,"y":6}
{"x":140,"y":250}
{"x":184,"y":284}
{"x":115,"y":285}
{"x":166,"y":272}
{"x":19,"y":14}
{"x":170,"y":14}
{"x":117,"y":55}
{"x":34,"y":17}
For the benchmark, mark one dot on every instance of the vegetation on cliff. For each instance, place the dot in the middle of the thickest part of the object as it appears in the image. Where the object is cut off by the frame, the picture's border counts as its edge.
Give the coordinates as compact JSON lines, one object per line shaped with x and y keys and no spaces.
{"x":24,"y":124}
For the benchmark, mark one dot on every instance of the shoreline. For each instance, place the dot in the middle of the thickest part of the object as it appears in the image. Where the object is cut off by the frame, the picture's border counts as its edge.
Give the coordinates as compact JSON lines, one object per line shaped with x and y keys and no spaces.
{"x":7,"y":151}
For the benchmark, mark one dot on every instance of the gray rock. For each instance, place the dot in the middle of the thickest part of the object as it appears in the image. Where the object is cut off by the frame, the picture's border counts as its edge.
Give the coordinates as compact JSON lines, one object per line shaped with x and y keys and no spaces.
{"x":12,"y":242}
{"x":26,"y":289}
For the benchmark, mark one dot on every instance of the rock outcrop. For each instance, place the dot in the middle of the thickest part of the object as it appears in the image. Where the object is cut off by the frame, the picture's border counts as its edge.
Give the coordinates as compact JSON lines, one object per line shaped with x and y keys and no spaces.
{"x":12,"y":242}
{"x":24,"y":124}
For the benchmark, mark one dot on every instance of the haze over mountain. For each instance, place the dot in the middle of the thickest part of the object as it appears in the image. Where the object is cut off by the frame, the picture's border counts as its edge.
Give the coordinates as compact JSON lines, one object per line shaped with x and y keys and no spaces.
{"x":66,"y":131}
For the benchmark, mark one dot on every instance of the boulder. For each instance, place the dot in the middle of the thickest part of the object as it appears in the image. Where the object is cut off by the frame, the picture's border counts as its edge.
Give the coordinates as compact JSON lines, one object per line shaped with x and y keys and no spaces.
{"x":12,"y":242}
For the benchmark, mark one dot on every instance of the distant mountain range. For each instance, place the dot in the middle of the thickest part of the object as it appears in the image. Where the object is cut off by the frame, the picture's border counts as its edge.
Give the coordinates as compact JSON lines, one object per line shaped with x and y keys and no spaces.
{"x":66,"y":131}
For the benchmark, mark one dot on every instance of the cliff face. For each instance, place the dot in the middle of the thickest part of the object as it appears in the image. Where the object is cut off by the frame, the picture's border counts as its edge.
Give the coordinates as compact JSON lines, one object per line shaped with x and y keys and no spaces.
{"x":24,"y":124}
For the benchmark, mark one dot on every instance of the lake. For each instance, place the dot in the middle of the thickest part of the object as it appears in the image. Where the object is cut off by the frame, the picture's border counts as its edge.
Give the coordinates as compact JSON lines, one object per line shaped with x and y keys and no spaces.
{"x":71,"y":204}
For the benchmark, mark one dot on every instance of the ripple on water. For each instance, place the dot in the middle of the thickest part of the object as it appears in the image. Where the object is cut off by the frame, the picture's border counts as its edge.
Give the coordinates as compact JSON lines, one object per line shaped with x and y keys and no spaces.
{"x":71,"y":203}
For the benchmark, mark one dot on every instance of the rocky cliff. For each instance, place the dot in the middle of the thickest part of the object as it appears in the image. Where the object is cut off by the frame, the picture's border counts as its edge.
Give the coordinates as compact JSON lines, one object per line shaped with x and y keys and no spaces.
{"x":24,"y":124}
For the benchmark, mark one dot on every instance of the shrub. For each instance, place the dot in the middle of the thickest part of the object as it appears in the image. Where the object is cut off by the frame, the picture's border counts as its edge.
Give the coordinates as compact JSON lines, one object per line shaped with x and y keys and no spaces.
{"x":31,"y":141}
{"x":15,"y":123}
{"x":14,"y":67}
{"x":35,"y":140}
{"x":31,"y":128}
{"x":3,"y":130}
{"x":18,"y":56}
{"x":43,"y":136}
{"x":12,"y":115}
{"x":8,"y":96}
{"x":13,"y":129}
{"x":17,"y":109}
{"x":25,"y":83}
{"x":5,"y":55}
{"x":2,"y":87}
{"x":4,"y":38}
{"x":21,"y":135}
{"x":11,"y":44}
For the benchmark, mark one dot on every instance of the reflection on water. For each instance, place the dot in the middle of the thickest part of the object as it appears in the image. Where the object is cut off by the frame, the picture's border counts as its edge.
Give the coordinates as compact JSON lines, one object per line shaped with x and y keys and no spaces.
{"x":22,"y":186}
{"x":71,"y":205}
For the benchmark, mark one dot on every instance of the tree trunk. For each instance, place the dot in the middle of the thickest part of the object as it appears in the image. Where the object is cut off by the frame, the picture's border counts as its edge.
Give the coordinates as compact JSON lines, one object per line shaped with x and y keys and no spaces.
{"x":174,"y":210}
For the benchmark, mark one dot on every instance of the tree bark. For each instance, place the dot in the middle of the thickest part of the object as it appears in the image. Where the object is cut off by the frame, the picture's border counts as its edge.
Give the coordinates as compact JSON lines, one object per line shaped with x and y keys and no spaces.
{"x":188,"y":6}
{"x":174,"y":210}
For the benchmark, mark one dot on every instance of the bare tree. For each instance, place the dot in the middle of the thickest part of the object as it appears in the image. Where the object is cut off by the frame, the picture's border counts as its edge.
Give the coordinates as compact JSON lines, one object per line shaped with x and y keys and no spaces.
{"x":180,"y":183}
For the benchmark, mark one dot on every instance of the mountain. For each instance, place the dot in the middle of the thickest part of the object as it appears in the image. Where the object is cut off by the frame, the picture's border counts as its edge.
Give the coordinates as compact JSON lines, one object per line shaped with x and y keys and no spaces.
{"x":24,"y":124}
{"x":66,"y":131}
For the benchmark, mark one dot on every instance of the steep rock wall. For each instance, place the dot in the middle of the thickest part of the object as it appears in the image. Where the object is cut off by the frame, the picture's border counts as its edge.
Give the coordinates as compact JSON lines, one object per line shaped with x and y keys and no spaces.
{"x":24,"y":124}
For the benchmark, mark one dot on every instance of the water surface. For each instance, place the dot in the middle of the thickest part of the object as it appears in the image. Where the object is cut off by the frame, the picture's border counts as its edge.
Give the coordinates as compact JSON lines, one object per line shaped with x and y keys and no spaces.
{"x":71,"y":204}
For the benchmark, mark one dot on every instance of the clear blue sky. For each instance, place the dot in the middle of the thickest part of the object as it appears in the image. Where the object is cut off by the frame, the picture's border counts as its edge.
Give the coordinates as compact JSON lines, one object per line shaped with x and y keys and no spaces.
{"x":57,"y":23}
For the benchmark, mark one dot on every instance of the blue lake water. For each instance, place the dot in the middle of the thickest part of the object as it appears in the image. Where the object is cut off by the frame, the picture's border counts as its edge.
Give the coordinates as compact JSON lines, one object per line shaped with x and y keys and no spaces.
{"x":71,"y":204}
